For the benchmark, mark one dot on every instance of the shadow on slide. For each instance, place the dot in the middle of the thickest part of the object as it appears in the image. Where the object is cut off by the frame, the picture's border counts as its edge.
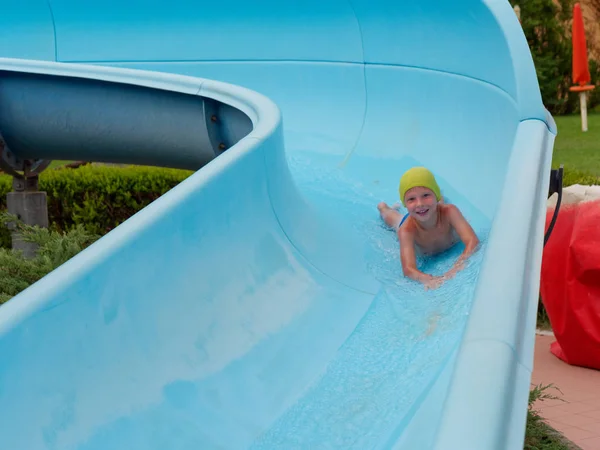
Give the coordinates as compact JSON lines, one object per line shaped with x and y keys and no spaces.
{"x":260,"y":303}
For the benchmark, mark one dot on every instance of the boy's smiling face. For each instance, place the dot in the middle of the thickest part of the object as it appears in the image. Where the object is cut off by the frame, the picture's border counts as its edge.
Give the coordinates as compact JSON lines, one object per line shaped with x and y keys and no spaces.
{"x":421,"y":203}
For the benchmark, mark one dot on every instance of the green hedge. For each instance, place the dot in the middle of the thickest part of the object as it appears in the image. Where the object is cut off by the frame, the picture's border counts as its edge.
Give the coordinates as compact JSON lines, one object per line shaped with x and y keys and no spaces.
{"x":98,"y":197}
{"x":54,"y":249}
{"x":547,"y":27}
{"x":571,"y":177}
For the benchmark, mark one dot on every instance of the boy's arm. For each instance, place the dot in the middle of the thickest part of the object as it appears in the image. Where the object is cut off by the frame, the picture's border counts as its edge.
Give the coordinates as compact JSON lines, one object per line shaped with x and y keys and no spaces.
{"x":465,"y":232}
{"x":408,"y":258}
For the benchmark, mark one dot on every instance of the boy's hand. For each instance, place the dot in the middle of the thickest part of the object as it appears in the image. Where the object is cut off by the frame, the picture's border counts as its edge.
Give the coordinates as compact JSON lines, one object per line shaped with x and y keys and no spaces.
{"x":460,"y":265}
{"x":457,"y":267}
{"x":433,"y":283}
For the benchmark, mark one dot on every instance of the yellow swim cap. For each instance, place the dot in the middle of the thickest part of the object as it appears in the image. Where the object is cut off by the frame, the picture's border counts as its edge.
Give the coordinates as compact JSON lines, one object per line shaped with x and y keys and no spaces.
{"x":418,"y":176}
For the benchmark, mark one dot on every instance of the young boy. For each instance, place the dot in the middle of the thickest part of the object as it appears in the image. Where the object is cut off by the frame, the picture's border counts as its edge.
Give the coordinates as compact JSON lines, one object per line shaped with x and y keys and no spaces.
{"x":430,"y":226}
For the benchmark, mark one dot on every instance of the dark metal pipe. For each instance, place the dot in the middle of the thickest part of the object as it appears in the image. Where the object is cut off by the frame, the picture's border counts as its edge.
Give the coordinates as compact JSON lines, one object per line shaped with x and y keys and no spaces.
{"x":70,"y":118}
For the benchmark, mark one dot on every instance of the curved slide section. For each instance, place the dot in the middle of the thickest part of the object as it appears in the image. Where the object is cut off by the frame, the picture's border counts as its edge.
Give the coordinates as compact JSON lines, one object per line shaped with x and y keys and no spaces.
{"x":260,"y":303}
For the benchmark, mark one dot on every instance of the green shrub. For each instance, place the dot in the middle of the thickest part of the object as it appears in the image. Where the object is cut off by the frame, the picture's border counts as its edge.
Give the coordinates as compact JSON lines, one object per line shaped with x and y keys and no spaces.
{"x":5,"y":240}
{"x":538,"y":434}
{"x":547,"y":27}
{"x":17,"y":272}
{"x":99,"y":197}
{"x":593,"y":97}
{"x":571,"y":177}
{"x":5,"y":187}
{"x":545,"y":24}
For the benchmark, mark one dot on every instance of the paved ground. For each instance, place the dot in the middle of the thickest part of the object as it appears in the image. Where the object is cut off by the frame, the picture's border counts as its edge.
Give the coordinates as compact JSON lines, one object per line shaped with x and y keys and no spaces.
{"x":577,"y":416}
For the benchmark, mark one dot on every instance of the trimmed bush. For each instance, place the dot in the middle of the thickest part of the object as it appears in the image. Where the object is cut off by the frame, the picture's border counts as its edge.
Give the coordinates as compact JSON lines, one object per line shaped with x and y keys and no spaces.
{"x":571,"y":177}
{"x":98,"y":197}
{"x":547,"y":27}
{"x":54,"y":248}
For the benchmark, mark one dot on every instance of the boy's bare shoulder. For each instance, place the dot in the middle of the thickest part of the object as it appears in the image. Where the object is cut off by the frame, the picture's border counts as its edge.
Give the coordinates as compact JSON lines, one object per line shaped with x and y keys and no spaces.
{"x":448,"y":207}
{"x":407,"y":230}
{"x":450,"y":211}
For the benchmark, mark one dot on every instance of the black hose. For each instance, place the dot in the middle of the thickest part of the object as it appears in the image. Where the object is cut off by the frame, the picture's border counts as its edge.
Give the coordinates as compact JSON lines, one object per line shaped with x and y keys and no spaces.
{"x":556,"y":185}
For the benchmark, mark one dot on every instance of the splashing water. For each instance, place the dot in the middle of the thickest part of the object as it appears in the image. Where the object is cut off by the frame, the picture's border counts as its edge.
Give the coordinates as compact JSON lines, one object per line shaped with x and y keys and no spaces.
{"x":397,"y":349}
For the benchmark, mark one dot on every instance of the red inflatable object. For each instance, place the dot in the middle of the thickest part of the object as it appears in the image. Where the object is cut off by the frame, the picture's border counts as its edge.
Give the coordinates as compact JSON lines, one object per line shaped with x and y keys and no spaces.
{"x":570,"y":283}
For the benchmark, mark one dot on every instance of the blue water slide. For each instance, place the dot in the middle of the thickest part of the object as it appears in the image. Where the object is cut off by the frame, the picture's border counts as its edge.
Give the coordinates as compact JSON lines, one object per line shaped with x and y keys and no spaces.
{"x":260,"y":304}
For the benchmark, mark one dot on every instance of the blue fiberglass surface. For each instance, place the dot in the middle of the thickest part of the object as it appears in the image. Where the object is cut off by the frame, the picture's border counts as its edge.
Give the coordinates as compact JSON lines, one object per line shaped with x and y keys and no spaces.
{"x":260,"y":304}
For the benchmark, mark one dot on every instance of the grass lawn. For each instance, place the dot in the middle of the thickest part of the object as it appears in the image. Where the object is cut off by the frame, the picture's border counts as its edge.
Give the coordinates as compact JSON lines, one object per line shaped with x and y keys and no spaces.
{"x":576,"y":149}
